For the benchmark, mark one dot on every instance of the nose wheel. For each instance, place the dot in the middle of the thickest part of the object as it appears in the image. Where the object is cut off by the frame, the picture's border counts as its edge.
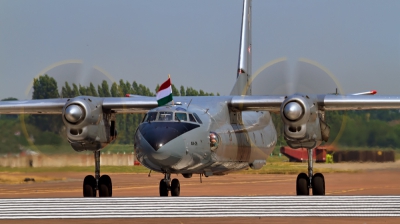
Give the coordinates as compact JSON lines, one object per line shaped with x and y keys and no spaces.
{"x":92,"y":184}
{"x":316,"y":182}
{"x":167,"y":185}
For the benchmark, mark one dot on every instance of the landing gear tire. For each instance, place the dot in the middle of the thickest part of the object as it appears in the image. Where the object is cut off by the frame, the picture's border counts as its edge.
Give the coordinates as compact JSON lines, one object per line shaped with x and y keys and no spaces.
{"x":89,"y":186}
{"x":175,"y":187}
{"x":163,"y":188}
{"x":302,"y":184}
{"x":105,"y":186}
{"x":318,"y":184}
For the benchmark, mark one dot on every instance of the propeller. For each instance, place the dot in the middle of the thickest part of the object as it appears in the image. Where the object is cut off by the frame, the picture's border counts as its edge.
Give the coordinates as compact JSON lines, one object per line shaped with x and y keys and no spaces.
{"x":281,"y":77}
{"x":73,"y":72}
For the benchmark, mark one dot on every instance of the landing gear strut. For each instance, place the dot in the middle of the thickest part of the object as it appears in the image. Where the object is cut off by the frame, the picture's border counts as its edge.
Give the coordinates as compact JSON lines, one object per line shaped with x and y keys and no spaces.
{"x":167,"y":185}
{"x":99,"y":183}
{"x":316,"y":182}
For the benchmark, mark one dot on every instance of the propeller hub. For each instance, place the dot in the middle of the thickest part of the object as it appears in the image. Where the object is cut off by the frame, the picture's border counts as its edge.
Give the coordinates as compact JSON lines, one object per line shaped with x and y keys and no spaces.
{"x":73,"y":114}
{"x":293,"y":111}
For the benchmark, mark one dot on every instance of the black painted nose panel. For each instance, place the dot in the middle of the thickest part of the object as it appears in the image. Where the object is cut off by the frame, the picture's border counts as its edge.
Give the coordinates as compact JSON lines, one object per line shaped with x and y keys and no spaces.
{"x":158,"y":134}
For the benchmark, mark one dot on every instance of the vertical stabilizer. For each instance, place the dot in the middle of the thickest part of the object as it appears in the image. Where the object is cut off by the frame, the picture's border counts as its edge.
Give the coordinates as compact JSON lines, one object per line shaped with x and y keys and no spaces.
{"x":242,"y":85}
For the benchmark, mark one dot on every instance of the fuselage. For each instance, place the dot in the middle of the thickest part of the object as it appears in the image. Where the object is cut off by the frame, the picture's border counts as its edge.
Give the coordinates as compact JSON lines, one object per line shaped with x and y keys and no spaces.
{"x":198,"y":135}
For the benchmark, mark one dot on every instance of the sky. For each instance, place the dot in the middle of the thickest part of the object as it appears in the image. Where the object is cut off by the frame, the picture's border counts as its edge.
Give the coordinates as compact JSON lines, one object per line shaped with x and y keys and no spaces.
{"x":355,"y":42}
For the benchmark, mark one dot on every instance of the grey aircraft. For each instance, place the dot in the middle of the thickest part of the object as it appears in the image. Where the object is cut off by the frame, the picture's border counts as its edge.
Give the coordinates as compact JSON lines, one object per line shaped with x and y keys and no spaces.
{"x":205,"y":135}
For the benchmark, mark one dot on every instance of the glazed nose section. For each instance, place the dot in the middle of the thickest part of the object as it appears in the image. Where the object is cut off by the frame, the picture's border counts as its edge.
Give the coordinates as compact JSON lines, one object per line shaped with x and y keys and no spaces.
{"x":158,"y":134}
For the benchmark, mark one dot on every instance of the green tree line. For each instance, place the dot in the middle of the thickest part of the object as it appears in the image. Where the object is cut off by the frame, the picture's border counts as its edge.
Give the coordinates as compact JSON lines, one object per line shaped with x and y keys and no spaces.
{"x":49,"y":129}
{"x":374,"y":128}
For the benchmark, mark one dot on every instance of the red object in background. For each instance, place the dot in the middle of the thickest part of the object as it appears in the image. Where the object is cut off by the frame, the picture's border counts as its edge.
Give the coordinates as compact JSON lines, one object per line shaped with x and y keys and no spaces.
{"x":136,"y":163}
{"x":300,"y":155}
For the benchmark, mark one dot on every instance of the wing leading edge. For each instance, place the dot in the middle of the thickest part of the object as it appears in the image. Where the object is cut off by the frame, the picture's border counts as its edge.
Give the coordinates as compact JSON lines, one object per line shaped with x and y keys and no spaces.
{"x":237,"y":103}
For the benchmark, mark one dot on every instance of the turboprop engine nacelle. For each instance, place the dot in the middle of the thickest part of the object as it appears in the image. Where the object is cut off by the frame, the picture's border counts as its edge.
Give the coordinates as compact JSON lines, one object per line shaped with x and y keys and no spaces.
{"x":88,"y":126}
{"x":304,"y":125}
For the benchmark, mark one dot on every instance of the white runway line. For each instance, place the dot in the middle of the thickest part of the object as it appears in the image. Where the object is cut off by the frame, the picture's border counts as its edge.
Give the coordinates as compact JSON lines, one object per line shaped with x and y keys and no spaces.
{"x":147,"y":207}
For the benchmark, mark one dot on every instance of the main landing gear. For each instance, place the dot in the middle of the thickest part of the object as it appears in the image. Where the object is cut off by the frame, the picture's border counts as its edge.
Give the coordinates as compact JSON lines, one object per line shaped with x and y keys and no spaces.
{"x":167,"y":185}
{"x":316,"y":182}
{"x":97,"y":183}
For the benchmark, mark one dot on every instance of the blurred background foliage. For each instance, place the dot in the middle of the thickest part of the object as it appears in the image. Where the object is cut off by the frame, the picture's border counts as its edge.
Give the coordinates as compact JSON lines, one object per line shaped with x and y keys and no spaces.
{"x":365,"y":129}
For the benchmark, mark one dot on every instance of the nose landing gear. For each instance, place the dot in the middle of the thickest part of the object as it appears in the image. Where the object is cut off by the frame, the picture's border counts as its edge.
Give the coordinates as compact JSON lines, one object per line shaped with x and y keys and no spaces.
{"x":167,"y":185}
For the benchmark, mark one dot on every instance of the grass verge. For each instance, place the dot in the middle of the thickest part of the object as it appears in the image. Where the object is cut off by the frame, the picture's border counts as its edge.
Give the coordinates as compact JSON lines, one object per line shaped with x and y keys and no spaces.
{"x":275,"y":165}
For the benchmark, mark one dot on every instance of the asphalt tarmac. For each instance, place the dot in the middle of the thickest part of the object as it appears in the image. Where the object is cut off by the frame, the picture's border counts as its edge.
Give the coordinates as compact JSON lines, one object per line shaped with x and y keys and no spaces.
{"x":364,"y":182}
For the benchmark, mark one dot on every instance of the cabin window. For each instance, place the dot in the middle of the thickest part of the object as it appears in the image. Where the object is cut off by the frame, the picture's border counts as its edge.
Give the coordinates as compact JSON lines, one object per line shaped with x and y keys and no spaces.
{"x":180,"y":116}
{"x":165,"y":116}
{"x":197,"y":118}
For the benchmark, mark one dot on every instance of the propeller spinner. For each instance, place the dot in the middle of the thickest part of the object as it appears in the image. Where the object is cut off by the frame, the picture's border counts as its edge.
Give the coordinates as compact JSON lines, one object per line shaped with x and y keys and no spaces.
{"x":73,"y":114}
{"x":293,"y":111}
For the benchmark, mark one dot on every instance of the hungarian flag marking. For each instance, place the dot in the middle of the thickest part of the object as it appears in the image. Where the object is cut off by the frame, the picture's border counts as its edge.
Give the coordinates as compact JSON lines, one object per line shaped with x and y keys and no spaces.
{"x":164,"y":94}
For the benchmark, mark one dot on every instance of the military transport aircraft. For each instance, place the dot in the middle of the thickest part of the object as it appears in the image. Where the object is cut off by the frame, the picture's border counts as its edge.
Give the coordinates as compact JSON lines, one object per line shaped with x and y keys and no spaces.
{"x":205,"y":135}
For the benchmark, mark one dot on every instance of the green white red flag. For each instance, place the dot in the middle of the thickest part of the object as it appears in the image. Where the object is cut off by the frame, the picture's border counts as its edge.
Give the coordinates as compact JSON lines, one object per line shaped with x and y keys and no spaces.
{"x":164,"y":93}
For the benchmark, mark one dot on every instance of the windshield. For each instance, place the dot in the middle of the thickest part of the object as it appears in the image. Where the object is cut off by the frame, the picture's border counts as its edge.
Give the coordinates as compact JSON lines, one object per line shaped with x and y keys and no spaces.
{"x":171,"y":116}
{"x":197,"y":118}
{"x":191,"y":118}
{"x":165,"y":116}
{"x":151,"y":116}
{"x":180,"y":116}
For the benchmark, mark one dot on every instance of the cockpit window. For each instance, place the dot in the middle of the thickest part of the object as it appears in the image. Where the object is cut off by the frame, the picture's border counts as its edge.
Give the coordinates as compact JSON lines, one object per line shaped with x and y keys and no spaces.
{"x":191,"y":118}
{"x":165,"y":116}
{"x":180,"y":116}
{"x":197,"y":118}
{"x":151,"y":116}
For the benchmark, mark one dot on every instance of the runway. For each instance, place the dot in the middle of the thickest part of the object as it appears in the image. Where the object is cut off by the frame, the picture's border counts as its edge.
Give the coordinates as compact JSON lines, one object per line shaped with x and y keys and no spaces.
{"x":200,"y":207}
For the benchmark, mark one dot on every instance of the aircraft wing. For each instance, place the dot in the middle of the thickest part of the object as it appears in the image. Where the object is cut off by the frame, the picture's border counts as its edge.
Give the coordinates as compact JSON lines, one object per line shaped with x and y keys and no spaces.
{"x":55,"y":106}
{"x":324,"y":102}
{"x":239,"y":103}
{"x":45,"y":106}
{"x":358,"y":102}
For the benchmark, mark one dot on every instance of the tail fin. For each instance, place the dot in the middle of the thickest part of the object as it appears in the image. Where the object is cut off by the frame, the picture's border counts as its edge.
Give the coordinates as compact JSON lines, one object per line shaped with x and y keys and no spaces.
{"x":242,"y":85}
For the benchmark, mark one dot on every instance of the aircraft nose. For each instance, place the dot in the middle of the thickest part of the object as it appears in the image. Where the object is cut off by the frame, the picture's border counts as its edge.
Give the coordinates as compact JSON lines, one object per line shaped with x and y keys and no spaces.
{"x":158,"y":134}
